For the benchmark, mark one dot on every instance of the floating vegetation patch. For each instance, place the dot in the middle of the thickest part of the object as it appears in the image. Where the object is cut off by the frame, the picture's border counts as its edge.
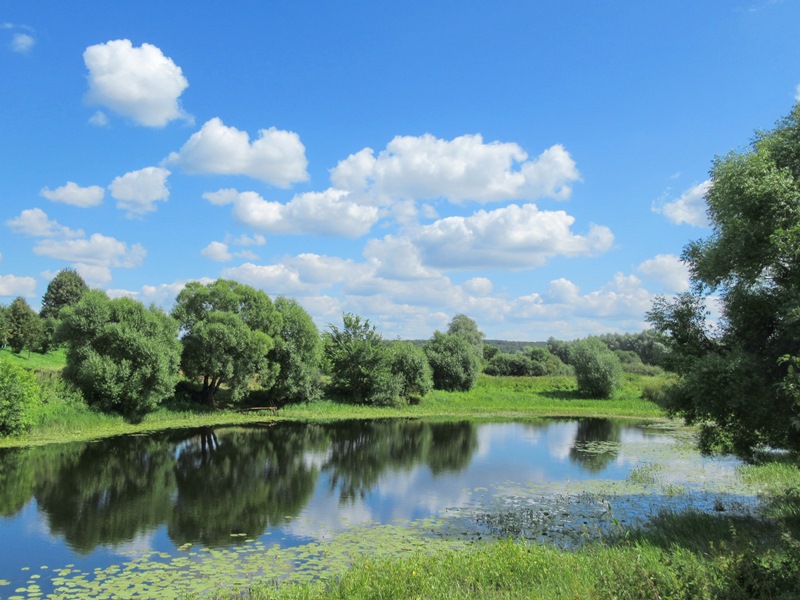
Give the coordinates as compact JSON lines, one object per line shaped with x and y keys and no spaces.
{"x":209,"y":572}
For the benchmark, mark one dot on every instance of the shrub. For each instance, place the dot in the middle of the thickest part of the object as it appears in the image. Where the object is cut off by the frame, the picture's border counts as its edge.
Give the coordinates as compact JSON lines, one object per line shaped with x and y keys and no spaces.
{"x":360,"y":364}
{"x":410,"y":365}
{"x":454,"y":362}
{"x":512,"y":365}
{"x":19,"y":398}
{"x":121,"y":355}
{"x":298,"y":352}
{"x":597,"y":369}
{"x":545,"y":362}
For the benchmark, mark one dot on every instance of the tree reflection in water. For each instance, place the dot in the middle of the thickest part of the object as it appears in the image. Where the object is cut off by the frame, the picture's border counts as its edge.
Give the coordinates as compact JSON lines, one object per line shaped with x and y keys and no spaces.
{"x":212,"y":485}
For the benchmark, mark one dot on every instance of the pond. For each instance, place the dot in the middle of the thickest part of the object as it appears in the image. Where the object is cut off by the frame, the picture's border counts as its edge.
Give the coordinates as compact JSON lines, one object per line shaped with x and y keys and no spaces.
{"x":194,"y":509}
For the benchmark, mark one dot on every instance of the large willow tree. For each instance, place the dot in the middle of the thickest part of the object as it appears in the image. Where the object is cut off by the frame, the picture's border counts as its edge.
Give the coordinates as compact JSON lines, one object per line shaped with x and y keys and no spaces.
{"x":739,"y":377}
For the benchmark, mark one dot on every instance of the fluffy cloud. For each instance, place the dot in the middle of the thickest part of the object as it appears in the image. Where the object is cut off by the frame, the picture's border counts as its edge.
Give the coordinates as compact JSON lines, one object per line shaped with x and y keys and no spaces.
{"x":97,"y":250}
{"x":75,"y":195}
{"x":480,"y":286}
{"x":11,"y":286}
{"x":139,"y":83}
{"x":22,"y":43}
{"x":35,"y":222}
{"x":217,"y":251}
{"x":690,"y":208}
{"x":138,"y":191}
{"x":324,"y":213}
{"x":461,"y":169}
{"x":669,"y":270}
{"x":276,"y":157}
{"x":519,"y":237}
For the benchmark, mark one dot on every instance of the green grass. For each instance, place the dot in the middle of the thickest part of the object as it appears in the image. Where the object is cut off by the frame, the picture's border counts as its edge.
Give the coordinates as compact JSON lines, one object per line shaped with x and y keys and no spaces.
{"x":65,"y":418}
{"x":52,"y":361}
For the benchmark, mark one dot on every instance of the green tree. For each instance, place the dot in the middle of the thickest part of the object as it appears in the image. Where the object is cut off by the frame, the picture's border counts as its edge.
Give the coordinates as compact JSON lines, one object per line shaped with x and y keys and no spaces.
{"x":19,"y":398}
{"x":597,"y":368}
{"x":454,"y":362}
{"x":737,"y":377}
{"x":360,"y":363}
{"x":65,"y":289}
{"x":5,"y":326}
{"x":228,"y":331}
{"x":510,"y":365}
{"x":410,"y":365}
{"x":22,"y":325}
{"x":298,"y":353}
{"x":122,"y":356}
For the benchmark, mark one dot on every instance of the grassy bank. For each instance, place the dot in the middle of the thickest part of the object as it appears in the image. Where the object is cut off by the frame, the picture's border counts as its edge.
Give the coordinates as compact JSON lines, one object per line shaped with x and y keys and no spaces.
{"x":687,"y":555}
{"x":65,"y":418}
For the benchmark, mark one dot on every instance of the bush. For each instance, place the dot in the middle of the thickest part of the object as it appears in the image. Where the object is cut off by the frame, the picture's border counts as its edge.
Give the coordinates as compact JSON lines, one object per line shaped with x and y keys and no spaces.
{"x":454,"y":362}
{"x":121,"y":355}
{"x":19,"y":399}
{"x":298,"y":352}
{"x":597,"y":368}
{"x":360,"y":364}
{"x":545,"y":362}
{"x":410,"y":365}
{"x":512,"y":365}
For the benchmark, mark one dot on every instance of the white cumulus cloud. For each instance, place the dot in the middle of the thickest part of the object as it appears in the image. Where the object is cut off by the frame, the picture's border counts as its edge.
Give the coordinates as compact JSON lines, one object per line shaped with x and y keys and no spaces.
{"x":11,"y":285}
{"x":690,"y":208}
{"x":324,"y":213}
{"x":138,"y":191}
{"x":217,"y":251}
{"x":75,"y":195}
{"x":515,"y":236}
{"x":22,"y":43}
{"x":139,"y":83}
{"x":458,"y":170}
{"x":97,"y":250}
{"x":668,"y":270}
{"x":276,"y":157}
{"x":35,"y":222}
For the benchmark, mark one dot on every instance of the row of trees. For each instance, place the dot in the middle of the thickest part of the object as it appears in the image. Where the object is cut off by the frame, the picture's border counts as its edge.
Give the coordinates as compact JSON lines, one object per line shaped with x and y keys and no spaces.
{"x":128,"y":358}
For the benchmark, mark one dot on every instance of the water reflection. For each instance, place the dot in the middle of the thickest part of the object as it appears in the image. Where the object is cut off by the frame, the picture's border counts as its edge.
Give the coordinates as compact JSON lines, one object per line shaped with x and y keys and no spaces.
{"x":217,"y":485}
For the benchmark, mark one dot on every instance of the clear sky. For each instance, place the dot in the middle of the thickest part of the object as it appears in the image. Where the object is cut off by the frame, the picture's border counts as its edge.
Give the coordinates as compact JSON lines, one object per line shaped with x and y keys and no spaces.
{"x":538,"y":166}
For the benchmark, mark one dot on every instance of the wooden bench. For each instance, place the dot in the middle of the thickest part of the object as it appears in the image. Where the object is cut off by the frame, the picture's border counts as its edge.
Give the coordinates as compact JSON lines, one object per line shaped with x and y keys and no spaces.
{"x":272,"y":409}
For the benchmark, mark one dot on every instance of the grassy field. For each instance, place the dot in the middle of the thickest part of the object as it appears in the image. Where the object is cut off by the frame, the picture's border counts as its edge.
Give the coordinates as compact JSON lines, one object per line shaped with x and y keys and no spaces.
{"x":65,"y":418}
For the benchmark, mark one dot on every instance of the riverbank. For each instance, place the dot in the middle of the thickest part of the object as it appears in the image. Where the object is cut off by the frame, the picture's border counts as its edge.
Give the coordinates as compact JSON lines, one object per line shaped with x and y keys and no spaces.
{"x":65,"y":419}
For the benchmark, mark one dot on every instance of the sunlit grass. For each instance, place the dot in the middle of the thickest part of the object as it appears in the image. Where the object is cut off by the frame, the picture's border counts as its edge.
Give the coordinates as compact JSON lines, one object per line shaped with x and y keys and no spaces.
{"x":66,"y":419}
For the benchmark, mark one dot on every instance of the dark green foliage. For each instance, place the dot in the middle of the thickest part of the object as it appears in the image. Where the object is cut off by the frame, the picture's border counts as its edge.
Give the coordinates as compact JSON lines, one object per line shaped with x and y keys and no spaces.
{"x":22,"y":325}
{"x":454,"y":362}
{"x":597,"y":369}
{"x":649,"y":345}
{"x":738,"y":377}
{"x":410,"y":365}
{"x":19,"y":398}
{"x":360,"y":363}
{"x":122,"y":356}
{"x":468,"y":329}
{"x":5,"y":326}
{"x":228,"y":331}
{"x":545,"y":362}
{"x":513,"y":365}
{"x":559,"y":348}
{"x":65,"y":289}
{"x":298,"y":353}
{"x":489,"y":352}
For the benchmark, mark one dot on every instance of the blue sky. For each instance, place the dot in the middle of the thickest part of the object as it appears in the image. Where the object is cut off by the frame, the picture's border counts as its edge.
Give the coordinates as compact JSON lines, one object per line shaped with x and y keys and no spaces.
{"x":536,"y":166}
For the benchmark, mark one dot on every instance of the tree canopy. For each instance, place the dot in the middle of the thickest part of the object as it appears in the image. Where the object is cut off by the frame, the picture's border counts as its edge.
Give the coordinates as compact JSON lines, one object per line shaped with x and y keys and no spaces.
{"x":228,"y":330}
{"x":122,"y":356}
{"x":738,"y":377}
{"x":65,"y":289}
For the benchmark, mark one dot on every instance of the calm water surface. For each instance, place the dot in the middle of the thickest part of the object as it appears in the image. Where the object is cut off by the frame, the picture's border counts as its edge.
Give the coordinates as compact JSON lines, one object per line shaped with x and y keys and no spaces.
{"x":93,"y":504}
